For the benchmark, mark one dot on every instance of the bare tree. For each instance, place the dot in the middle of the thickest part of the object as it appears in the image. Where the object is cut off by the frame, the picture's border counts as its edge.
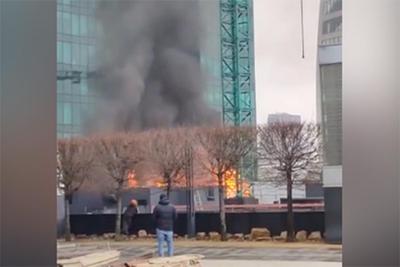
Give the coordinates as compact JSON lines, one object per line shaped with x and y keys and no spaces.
{"x":119,"y":154}
{"x":166,"y":152}
{"x":223,"y":149}
{"x":75,"y":160}
{"x":292,"y":156}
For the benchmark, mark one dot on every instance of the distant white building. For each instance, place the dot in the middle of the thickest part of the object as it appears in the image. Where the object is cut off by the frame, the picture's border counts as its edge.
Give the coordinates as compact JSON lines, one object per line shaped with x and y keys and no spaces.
{"x":283,"y":117}
{"x":268,"y":192}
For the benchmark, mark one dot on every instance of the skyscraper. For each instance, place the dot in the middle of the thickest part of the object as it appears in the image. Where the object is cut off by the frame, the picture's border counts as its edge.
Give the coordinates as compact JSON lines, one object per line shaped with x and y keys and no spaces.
{"x":76,"y":29}
{"x":284,"y":117}
{"x":329,"y":99}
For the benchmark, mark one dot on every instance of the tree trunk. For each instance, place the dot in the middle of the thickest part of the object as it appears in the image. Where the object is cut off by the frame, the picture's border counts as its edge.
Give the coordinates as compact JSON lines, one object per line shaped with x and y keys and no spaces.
{"x":169,"y":182}
{"x":290,"y":216}
{"x":67,"y":222}
{"x":118,"y":215}
{"x":221,"y":195}
{"x":237,"y":184}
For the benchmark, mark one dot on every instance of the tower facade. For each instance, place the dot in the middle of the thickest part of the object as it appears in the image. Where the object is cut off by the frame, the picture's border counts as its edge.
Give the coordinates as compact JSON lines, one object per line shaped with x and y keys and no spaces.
{"x":329,"y":99}
{"x":76,"y":28}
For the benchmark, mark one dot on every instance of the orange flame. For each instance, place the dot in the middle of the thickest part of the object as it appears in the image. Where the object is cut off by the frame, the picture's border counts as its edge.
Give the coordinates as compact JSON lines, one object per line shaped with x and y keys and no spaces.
{"x":231,"y":184}
{"x":132,"y":181}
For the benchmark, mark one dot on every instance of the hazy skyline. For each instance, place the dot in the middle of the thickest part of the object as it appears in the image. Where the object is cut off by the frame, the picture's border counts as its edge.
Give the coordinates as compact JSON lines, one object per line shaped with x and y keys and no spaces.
{"x":285,"y":82}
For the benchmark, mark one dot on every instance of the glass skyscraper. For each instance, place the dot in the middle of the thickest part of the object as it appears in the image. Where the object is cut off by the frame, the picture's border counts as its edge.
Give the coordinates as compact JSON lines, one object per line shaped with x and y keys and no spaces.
{"x":330,"y":80}
{"x":76,"y":29}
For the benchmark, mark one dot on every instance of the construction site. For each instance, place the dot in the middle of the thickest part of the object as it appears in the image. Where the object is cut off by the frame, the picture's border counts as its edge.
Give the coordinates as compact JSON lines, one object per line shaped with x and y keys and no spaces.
{"x":167,"y":73}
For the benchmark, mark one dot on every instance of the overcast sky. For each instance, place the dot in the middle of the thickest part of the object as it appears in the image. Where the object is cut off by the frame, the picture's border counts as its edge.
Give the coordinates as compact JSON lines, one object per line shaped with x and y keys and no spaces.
{"x":284,"y":81}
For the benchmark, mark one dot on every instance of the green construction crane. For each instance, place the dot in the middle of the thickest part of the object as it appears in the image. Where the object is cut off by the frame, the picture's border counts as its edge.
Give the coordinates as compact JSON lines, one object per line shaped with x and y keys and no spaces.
{"x":237,"y":62}
{"x":237,"y":71}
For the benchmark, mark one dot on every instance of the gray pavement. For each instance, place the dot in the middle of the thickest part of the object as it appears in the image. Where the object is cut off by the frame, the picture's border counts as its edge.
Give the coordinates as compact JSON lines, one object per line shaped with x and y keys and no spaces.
{"x":132,"y":250}
{"x":258,"y":263}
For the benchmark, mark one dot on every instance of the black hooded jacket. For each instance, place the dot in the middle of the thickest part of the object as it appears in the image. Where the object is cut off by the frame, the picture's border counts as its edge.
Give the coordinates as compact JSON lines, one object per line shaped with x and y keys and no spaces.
{"x":130,"y":211}
{"x":164,"y":215}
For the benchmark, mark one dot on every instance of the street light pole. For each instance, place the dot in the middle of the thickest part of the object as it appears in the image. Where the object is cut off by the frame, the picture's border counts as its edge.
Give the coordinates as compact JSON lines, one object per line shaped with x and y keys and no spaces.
{"x":190,"y":207}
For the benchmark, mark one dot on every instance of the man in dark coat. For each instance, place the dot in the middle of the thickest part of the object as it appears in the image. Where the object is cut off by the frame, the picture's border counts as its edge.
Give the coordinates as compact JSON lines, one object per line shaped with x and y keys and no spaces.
{"x":164,"y":215}
{"x":129,"y":213}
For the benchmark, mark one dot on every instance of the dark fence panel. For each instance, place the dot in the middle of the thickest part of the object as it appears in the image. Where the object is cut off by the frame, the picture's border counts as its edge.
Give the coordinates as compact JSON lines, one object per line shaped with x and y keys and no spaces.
{"x":205,"y":222}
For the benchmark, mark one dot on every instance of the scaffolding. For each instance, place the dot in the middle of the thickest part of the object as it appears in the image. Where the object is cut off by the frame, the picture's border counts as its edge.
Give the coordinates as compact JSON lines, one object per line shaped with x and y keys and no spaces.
{"x":237,"y":62}
{"x":237,"y":72}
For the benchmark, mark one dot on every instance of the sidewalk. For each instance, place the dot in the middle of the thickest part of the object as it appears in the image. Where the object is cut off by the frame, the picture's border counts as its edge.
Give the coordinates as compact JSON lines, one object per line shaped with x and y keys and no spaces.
{"x":217,"y":244}
{"x":256,"y":263}
{"x":256,"y":253}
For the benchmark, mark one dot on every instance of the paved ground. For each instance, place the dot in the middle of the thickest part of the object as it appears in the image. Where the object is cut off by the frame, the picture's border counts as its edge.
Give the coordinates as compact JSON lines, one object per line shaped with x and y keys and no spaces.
{"x":257,"y":263}
{"x":130,"y":250}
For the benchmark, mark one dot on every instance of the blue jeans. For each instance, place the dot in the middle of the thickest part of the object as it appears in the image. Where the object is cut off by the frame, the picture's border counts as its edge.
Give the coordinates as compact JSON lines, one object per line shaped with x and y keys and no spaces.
{"x":167,"y":236}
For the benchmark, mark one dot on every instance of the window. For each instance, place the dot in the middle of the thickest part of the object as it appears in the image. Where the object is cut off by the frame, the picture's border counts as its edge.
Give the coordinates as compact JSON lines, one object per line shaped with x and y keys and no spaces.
{"x":92,"y":3}
{"x":75,"y":54}
{"x":67,"y":113}
{"x":76,"y":91}
{"x":67,"y":89}
{"x":59,"y":52}
{"x":59,"y":21}
{"x":331,"y":6}
{"x":332,"y":25}
{"x":66,"y":19}
{"x":331,"y":86}
{"x":67,"y":53}
{"x":84,"y":25}
{"x":91,"y":55}
{"x":85,"y":110}
{"x":75,"y":2}
{"x":59,"y":113}
{"x":76,"y":114}
{"x":75,"y":24}
{"x":59,"y":87}
{"x":91,"y":26}
{"x":210,"y":194}
{"x":84,"y":87}
{"x":84,"y":55}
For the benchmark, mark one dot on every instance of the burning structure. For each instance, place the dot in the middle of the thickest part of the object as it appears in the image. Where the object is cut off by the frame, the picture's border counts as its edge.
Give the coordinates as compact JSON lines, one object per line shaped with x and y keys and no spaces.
{"x":147,"y":64}
{"x":135,"y":65}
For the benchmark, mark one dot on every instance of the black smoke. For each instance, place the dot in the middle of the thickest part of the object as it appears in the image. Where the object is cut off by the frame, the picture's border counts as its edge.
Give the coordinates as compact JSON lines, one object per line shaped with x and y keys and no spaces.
{"x":149,"y":73}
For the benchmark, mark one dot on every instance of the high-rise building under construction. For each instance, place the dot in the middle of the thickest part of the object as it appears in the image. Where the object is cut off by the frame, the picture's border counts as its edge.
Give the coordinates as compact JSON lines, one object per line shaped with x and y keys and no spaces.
{"x":226,"y":56}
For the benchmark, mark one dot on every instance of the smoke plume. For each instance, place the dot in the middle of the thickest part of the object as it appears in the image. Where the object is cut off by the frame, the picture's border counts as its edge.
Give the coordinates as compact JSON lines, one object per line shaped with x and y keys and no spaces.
{"x":149,"y":73}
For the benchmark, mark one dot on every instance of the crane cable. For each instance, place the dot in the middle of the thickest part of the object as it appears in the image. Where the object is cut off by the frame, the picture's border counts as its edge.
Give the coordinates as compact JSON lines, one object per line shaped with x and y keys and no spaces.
{"x":302,"y":29}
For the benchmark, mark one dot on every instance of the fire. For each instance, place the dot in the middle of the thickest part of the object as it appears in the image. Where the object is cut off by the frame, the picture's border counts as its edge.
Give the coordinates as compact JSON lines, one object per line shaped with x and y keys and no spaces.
{"x":231,"y":184}
{"x":231,"y":179}
{"x":132,"y":181}
{"x":153,"y":181}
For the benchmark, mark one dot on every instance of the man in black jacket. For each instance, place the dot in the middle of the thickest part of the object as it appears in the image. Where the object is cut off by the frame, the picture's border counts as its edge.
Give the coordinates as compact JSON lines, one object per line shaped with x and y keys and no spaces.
{"x":129,"y":213}
{"x":164,"y":216}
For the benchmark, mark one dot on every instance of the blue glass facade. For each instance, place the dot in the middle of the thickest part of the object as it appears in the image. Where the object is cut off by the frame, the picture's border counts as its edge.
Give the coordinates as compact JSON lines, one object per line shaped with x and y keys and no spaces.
{"x":76,"y":30}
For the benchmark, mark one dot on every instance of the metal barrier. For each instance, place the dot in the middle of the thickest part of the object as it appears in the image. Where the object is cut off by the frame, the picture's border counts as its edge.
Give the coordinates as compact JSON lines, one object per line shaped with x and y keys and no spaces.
{"x":256,"y":207}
